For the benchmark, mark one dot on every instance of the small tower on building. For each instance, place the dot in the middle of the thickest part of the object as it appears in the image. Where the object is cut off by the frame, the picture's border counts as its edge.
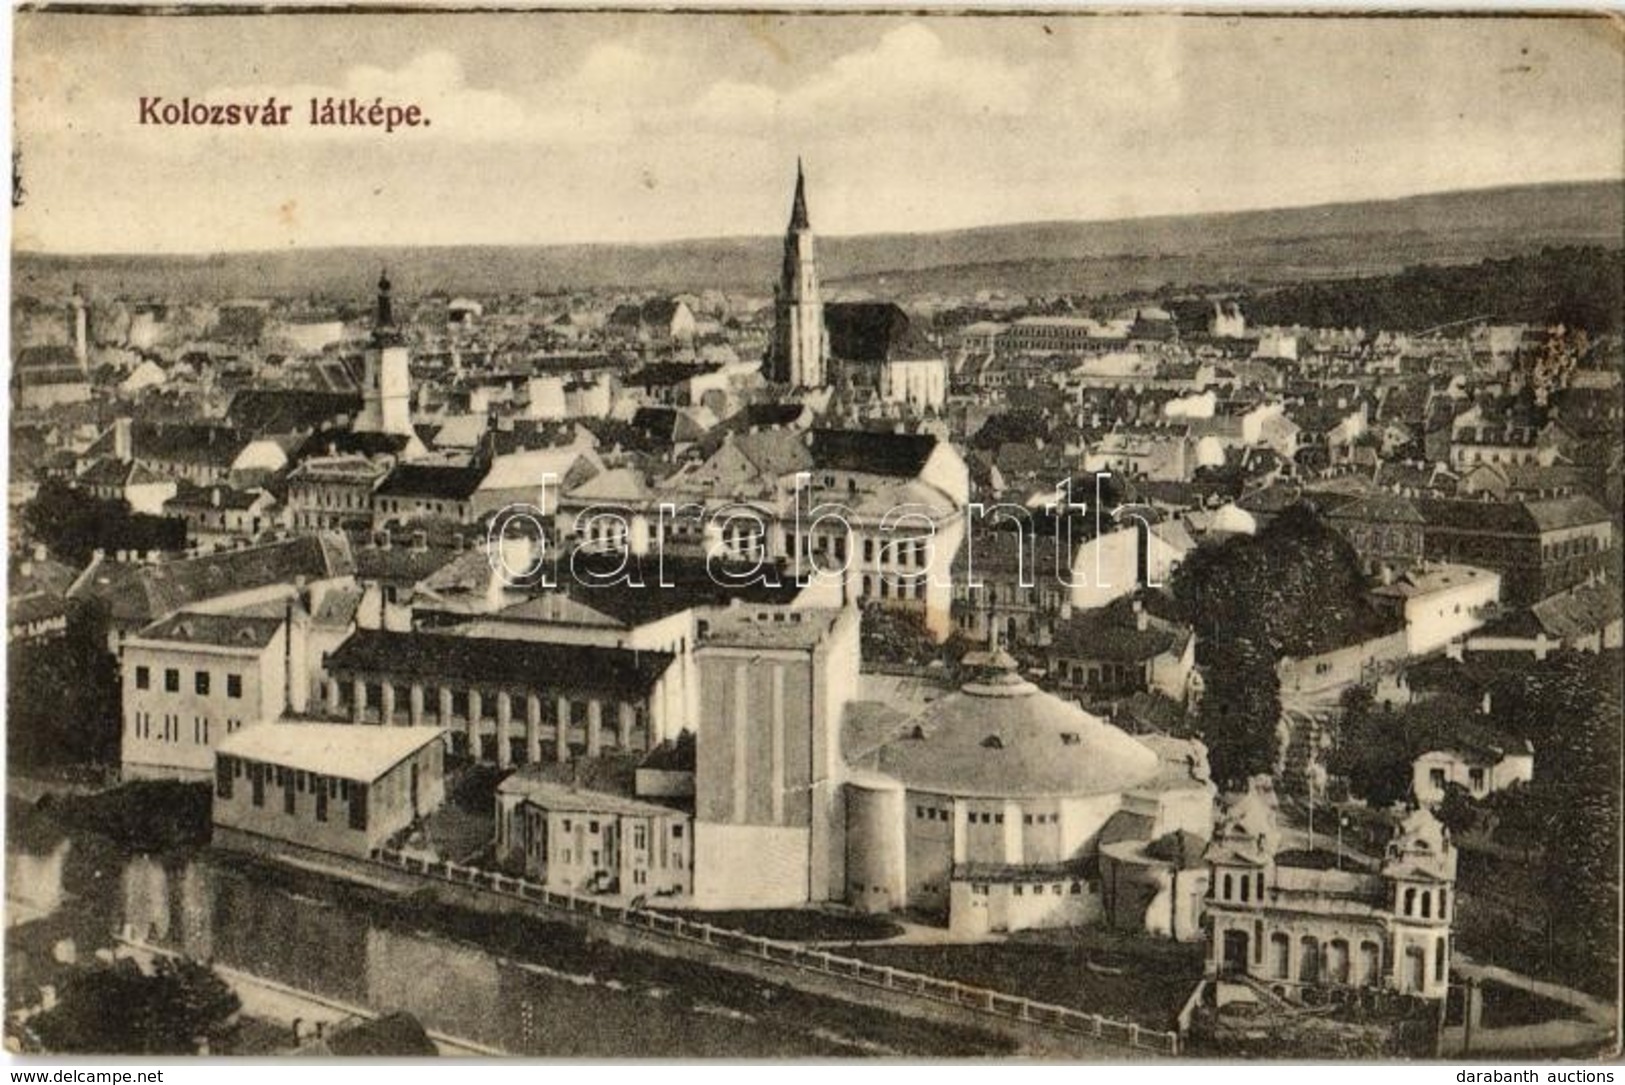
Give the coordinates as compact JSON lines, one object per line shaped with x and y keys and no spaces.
{"x":800,"y":346}
{"x":386,"y":390}
{"x":81,"y":328}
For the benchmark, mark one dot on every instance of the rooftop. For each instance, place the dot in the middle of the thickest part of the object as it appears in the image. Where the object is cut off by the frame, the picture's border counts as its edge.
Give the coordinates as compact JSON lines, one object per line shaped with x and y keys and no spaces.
{"x":221,"y":630}
{"x":348,"y":751}
{"x":500,"y":661}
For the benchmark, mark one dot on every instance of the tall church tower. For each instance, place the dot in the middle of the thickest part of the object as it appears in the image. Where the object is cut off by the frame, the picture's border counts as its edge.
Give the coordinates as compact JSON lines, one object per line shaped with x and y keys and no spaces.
{"x":386,"y":390}
{"x":799,"y":348}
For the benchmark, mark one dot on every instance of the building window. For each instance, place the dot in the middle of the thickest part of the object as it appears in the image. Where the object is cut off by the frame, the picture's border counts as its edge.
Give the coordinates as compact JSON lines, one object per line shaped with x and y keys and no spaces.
{"x":172,"y":680}
{"x":1476,"y":778}
{"x":234,"y":685}
{"x":256,"y":775}
{"x":321,"y":798}
{"x":200,"y":683}
{"x":223,"y":777}
{"x":1436,"y":777}
{"x":143,"y":677}
{"x":358,"y":807}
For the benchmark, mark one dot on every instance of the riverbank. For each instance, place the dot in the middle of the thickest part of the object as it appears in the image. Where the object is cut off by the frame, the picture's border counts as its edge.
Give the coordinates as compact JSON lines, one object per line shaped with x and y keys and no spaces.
{"x":845,"y":1019}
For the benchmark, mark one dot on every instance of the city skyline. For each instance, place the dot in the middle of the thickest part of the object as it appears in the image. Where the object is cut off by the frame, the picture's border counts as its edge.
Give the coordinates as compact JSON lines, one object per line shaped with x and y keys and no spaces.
{"x":553,"y":128}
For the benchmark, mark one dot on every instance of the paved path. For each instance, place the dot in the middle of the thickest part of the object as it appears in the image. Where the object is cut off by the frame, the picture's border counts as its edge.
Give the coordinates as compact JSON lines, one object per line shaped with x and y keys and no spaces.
{"x":1600,"y":1027}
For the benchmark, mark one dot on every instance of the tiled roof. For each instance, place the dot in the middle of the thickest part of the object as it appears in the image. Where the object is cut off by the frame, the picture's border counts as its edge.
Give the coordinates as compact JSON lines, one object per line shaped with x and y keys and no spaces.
{"x":870,"y":331}
{"x":137,"y":595}
{"x":500,"y":661}
{"x":432,"y":481}
{"x":902,"y":455}
{"x":223,"y":630}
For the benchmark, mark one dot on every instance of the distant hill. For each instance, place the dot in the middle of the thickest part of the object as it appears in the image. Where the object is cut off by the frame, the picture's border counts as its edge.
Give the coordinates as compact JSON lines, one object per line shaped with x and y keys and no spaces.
{"x":1256,"y":247}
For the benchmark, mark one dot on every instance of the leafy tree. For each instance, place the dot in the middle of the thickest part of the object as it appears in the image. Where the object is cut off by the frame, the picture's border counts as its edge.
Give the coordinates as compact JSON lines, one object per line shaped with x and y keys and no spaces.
{"x":119,"y":1010}
{"x":896,"y":635}
{"x":75,"y":525}
{"x":1241,"y":706}
{"x":1457,"y":811}
{"x":1373,"y":751}
{"x":62,"y":696}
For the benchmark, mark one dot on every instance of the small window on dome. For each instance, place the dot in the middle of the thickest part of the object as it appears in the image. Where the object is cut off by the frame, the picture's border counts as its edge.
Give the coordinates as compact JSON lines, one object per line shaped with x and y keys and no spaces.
{"x":1070,"y":738}
{"x":917,"y":732}
{"x":993,"y":742}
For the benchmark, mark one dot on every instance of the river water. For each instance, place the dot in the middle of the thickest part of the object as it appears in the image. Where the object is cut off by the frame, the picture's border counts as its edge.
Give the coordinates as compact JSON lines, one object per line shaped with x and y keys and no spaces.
{"x":329,"y":945}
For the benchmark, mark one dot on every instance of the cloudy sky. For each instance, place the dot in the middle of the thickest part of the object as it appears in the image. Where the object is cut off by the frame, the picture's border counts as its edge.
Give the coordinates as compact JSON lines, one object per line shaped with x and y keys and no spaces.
{"x":627,"y":127}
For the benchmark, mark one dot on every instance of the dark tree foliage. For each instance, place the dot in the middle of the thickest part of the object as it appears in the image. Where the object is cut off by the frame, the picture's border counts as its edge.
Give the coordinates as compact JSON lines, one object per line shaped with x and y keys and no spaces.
{"x":896,"y":635}
{"x":142,"y":815}
{"x":1240,"y":710}
{"x":1020,"y":427}
{"x":119,"y":1010}
{"x":75,"y":525}
{"x":1580,"y":288}
{"x":1570,"y":707}
{"x":1457,"y":811}
{"x":62,"y":695}
{"x":1293,"y":590}
{"x":1297,"y":580}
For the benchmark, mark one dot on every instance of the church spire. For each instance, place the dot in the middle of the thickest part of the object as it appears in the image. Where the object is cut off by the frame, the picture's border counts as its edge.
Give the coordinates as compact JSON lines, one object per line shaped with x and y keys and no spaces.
{"x":798,"y":209}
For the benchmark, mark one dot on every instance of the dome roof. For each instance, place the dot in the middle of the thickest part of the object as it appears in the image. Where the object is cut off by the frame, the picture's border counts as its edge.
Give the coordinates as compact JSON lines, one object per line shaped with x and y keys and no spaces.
{"x":1001,"y":736}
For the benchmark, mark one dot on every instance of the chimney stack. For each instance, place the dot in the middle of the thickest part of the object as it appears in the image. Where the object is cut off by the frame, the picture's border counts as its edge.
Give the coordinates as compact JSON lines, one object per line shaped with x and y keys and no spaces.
{"x":123,"y":440}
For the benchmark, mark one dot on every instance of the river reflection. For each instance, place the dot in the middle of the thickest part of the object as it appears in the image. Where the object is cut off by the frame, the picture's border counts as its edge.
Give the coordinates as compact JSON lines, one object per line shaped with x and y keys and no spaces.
{"x":210,"y":910}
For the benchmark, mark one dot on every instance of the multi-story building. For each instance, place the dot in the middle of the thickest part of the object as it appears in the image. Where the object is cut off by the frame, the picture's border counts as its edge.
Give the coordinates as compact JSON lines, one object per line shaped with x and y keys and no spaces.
{"x":1294,"y":919}
{"x":1539,"y":548}
{"x":333,"y":492}
{"x":194,"y":678}
{"x":505,"y":699}
{"x":881,"y":513}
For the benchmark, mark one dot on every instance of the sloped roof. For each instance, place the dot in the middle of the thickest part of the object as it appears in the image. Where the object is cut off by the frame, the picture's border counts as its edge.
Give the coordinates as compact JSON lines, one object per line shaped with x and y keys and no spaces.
{"x":455,"y":483}
{"x":501,"y":661}
{"x":288,"y":410}
{"x":902,"y":455}
{"x":137,"y":595}
{"x":344,"y":750}
{"x":222,"y":630}
{"x":873,"y":331}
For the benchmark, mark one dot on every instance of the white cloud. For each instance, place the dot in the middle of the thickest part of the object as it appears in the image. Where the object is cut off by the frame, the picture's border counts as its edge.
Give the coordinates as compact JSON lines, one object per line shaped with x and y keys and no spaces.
{"x":908,"y":76}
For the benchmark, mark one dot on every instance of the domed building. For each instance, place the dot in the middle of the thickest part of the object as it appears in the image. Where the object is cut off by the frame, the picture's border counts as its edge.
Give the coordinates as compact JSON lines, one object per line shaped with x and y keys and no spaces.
{"x":989,"y":806}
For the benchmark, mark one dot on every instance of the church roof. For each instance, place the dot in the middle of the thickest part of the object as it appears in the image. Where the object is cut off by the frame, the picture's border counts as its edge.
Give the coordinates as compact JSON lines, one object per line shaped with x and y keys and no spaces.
{"x":873,"y":332}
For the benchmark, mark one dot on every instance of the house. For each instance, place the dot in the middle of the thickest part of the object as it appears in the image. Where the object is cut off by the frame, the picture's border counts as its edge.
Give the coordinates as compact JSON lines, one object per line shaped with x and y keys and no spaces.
{"x":588,"y":827}
{"x":656,"y":320}
{"x":1478,"y":759}
{"x":1439,"y":603}
{"x":194,"y":678}
{"x":217,"y":514}
{"x":267,"y":575}
{"x":333,"y":492}
{"x":43,"y":377}
{"x":1385,"y":530}
{"x":882,"y":513}
{"x":413,"y":491}
{"x":1118,"y":650}
{"x":142,"y":489}
{"x":1538,"y":547}
{"x":329,"y":788}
